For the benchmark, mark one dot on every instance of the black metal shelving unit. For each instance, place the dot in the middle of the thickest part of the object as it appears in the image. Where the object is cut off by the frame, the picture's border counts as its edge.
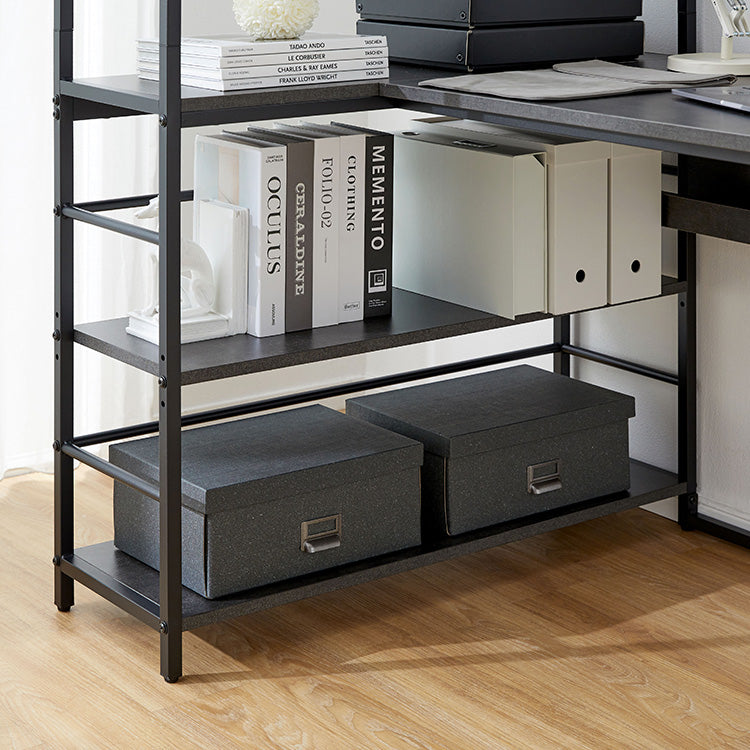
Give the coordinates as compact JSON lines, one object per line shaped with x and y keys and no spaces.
{"x":158,"y":598}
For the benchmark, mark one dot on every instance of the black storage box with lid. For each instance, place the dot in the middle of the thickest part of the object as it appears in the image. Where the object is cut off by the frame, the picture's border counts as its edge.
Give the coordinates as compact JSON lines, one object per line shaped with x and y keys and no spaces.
{"x":468,"y":13}
{"x":507,"y":444}
{"x":274,"y":497}
{"x":488,"y":48}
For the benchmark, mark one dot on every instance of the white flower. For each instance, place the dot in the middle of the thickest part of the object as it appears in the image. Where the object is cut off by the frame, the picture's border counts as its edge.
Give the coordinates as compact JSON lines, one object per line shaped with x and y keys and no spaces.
{"x":275,"y":19}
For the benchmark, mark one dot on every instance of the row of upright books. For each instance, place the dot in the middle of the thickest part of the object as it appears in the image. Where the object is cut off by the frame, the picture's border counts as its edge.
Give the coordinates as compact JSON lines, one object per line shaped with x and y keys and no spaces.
{"x":235,"y":63}
{"x":320,"y":206}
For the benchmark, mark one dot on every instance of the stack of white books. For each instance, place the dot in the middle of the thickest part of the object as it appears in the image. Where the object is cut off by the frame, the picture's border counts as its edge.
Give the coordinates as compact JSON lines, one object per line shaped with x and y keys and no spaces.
{"x":234,"y":62}
{"x":320,"y":205}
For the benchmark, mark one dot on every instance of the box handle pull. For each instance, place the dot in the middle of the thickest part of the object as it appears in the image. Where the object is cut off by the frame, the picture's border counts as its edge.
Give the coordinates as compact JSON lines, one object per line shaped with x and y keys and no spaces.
{"x":544,"y":478}
{"x":321,"y":534}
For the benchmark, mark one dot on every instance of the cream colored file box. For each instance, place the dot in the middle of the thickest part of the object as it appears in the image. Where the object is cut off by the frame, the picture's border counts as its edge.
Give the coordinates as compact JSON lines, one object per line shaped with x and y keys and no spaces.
{"x":469,"y":223}
{"x":634,"y":224}
{"x":577,"y":211}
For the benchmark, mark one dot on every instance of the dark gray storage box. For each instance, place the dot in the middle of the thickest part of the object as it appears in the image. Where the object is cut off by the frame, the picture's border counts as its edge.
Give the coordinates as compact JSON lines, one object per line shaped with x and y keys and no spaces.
{"x":488,"y":48}
{"x":506,"y":444}
{"x":274,"y":497}
{"x":468,"y":13}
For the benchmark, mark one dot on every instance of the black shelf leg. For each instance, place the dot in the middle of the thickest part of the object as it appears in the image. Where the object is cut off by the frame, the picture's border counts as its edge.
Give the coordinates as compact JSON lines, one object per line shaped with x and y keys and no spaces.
{"x":687,"y":373}
{"x":562,"y":338}
{"x":63,"y":320}
{"x":687,"y":411}
{"x":170,"y":411}
{"x":686,"y":26}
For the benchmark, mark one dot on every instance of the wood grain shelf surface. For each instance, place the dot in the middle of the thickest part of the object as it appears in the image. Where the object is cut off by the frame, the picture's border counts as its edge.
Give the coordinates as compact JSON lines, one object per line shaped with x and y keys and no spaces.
{"x":111,"y":569}
{"x":416,"y":319}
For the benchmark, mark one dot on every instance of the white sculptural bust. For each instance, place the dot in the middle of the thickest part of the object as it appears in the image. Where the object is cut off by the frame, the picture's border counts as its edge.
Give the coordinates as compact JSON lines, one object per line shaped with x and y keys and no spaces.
{"x":198,"y":319}
{"x":198,"y":290}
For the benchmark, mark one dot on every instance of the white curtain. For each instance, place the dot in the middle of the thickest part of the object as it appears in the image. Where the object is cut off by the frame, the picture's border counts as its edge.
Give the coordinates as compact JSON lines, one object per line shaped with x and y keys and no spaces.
{"x":113,"y":158}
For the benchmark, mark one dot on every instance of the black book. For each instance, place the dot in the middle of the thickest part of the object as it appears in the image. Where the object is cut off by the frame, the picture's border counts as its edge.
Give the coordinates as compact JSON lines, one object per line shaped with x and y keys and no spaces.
{"x":299,"y":227}
{"x":378,"y":290}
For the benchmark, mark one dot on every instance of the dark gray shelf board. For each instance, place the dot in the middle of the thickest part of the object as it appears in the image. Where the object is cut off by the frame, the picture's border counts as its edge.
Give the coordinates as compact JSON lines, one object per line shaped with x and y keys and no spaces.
{"x":658,"y":120}
{"x":120,"y":92}
{"x":116,"y":570}
{"x":415,"y":319}
{"x":203,"y":107}
{"x":120,"y":592}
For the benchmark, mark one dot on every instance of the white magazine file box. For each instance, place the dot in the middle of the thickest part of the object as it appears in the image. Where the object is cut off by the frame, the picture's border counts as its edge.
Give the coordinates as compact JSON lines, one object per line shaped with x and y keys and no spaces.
{"x":577,"y":209}
{"x":635,"y":235}
{"x":470,"y":223}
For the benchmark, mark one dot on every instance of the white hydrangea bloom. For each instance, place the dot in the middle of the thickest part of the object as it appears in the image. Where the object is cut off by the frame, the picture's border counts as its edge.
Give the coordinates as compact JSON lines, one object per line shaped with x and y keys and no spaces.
{"x":275,"y":19}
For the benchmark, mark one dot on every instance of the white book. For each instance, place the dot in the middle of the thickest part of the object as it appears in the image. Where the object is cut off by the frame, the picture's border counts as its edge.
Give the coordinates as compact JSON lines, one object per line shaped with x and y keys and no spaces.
{"x":231,"y":45}
{"x":254,"y":177}
{"x":275,"y":81}
{"x":281,"y":58}
{"x":261,"y":71}
{"x":192,"y":329}
{"x":222,"y":232}
{"x":353,"y":147}
{"x":325,"y":225}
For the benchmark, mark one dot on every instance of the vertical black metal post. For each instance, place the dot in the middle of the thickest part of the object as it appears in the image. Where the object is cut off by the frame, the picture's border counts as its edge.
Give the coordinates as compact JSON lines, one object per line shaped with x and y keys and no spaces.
{"x":63,"y":322}
{"x":562,"y":338}
{"x":170,"y":438}
{"x":686,"y":26}
{"x":687,"y":417}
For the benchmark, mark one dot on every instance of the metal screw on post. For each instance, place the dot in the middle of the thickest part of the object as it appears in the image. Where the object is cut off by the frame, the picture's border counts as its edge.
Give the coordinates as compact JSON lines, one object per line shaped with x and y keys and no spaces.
{"x":462,"y":15}
{"x":56,"y":113}
{"x":163,"y":121}
{"x":163,"y":627}
{"x":56,"y":334}
{"x":56,"y":561}
{"x":57,"y":446}
{"x":162,"y":382}
{"x":57,"y":210}
{"x":56,"y":100}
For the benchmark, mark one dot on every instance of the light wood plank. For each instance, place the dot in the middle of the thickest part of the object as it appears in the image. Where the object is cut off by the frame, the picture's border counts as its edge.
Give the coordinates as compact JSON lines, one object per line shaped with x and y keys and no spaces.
{"x":620,"y":633}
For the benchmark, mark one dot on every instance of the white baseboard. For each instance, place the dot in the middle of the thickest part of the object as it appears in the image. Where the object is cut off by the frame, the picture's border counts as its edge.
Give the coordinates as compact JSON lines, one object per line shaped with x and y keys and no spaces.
{"x":718,"y":512}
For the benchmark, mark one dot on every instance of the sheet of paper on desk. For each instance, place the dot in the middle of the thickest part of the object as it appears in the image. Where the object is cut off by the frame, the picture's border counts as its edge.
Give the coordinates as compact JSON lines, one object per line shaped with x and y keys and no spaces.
{"x":556,"y":84}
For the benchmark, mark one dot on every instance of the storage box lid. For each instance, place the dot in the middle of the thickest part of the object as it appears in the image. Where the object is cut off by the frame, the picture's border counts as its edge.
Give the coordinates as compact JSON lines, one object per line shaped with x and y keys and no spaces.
{"x":492,"y":12}
{"x":484,"y":412}
{"x":250,"y":461}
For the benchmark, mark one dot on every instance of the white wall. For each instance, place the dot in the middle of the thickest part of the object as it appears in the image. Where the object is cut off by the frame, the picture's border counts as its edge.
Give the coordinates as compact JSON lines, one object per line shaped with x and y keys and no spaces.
{"x":723,"y":306}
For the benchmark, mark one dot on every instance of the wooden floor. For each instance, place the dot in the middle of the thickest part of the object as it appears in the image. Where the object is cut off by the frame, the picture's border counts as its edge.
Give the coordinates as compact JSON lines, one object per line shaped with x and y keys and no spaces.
{"x":619,"y":633}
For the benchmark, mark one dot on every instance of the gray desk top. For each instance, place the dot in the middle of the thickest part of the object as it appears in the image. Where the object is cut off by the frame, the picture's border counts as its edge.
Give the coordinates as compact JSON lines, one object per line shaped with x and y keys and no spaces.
{"x":659,"y":120}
